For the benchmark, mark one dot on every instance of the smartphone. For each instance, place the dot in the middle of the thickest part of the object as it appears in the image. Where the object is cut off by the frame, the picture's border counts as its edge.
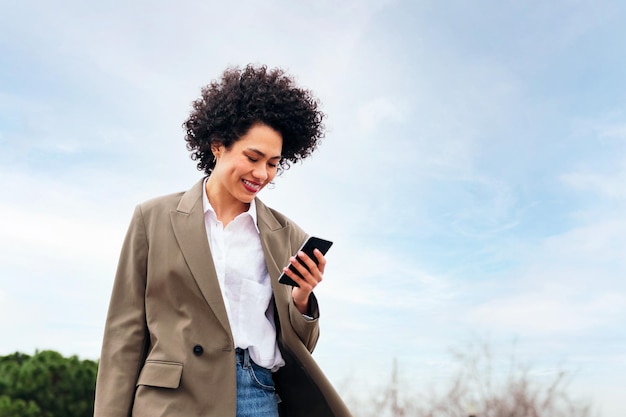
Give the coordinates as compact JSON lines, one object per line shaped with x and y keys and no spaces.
{"x":308,"y":246}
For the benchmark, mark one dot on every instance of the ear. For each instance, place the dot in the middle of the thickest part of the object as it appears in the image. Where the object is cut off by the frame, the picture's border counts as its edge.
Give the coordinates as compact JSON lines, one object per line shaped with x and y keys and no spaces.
{"x":217,"y":149}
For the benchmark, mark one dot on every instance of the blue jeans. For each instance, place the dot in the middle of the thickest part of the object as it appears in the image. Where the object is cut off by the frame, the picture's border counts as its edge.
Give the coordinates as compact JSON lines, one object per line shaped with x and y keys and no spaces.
{"x":256,"y":396}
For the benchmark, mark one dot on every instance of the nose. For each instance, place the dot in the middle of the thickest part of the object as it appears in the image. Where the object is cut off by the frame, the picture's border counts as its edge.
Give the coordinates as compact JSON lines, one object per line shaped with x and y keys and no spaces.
{"x":260,"y":173}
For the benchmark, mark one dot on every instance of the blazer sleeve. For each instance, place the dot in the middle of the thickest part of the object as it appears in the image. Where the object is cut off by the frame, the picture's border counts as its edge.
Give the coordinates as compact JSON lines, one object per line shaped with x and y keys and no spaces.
{"x":307,"y":329}
{"x":125,"y":335}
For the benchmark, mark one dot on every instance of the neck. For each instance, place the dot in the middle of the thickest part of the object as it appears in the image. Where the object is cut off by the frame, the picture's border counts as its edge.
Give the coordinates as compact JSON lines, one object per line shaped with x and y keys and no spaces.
{"x":225,"y":205}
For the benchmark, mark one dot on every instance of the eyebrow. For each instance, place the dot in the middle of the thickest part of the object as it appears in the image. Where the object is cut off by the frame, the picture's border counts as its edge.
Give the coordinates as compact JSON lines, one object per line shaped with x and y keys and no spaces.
{"x":261,"y":154}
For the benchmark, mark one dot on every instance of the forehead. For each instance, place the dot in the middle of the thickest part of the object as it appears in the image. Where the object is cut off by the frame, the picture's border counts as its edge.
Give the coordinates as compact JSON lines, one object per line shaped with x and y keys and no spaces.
{"x":261,"y":138}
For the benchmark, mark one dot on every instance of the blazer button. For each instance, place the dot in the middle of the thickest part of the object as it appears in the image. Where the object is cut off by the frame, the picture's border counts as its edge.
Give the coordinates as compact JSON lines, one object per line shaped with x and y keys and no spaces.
{"x":198,"y":350}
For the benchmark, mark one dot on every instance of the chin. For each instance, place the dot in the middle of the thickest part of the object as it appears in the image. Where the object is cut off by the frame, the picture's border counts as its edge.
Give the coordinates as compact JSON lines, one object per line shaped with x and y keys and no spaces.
{"x":247,"y":198}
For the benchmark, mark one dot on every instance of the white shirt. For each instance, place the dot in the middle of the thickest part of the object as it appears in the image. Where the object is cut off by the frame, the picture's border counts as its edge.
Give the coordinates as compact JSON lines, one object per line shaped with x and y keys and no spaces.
{"x":244,"y":283}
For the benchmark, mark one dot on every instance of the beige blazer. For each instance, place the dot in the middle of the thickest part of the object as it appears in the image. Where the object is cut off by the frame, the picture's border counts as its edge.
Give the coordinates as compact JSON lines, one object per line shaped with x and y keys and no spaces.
{"x":168,"y":347}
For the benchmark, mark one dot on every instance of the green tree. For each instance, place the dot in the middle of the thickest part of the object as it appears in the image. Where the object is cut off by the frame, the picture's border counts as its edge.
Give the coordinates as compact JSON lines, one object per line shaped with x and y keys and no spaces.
{"x":46,"y":385}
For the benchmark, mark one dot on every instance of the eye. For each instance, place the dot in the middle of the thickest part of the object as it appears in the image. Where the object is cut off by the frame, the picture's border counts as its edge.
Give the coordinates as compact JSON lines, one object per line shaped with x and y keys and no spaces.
{"x":272,"y":165}
{"x":252,"y":159}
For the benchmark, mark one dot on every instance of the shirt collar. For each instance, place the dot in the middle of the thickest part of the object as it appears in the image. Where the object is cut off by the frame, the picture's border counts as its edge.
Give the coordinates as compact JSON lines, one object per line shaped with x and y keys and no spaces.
{"x":207,"y":207}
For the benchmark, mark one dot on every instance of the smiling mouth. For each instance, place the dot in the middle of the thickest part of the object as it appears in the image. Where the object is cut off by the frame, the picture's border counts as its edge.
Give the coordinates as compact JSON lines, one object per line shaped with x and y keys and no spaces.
{"x":251,"y":186}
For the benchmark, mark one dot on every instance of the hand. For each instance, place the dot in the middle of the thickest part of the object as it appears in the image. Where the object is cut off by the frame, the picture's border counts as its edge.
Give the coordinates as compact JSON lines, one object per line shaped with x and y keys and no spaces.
{"x":311,"y":277}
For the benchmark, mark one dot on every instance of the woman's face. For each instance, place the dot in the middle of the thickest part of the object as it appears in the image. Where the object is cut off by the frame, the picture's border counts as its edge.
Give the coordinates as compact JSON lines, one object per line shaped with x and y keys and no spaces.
{"x":249,"y":165}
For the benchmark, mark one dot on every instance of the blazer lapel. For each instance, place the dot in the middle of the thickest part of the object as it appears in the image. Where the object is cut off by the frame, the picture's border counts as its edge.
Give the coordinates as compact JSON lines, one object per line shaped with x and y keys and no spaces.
{"x":188,"y":224}
{"x":276,"y":246}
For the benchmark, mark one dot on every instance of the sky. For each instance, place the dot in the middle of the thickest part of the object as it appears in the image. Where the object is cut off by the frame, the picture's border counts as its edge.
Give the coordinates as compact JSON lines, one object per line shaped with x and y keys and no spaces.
{"x":473,"y":174}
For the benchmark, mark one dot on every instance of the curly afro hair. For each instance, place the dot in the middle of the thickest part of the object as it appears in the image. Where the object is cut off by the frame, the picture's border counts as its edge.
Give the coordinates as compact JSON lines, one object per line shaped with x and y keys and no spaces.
{"x":241,"y":98}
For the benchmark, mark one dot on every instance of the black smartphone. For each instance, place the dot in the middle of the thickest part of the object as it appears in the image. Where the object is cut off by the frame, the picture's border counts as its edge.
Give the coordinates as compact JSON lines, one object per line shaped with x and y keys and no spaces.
{"x":308,"y":246}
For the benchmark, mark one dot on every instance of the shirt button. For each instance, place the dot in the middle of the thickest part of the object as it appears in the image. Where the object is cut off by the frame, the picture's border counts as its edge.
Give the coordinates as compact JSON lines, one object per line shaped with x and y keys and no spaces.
{"x":198,"y":350}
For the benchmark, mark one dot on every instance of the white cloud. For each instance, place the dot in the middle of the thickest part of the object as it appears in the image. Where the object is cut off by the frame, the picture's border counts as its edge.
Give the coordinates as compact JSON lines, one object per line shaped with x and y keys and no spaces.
{"x":4,"y":308}
{"x":546,"y":313}
{"x":612,"y":186}
{"x":382,"y":110}
{"x":484,"y":207}
{"x":616,"y":131}
{"x":592,"y":244}
{"x":567,"y":285}
{"x":369,"y":278}
{"x":61,"y":237}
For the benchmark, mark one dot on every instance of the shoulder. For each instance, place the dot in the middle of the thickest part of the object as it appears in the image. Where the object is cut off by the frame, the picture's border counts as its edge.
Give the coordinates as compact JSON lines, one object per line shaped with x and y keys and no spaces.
{"x":164,"y":202}
{"x":185,"y":201}
{"x":152,"y":214}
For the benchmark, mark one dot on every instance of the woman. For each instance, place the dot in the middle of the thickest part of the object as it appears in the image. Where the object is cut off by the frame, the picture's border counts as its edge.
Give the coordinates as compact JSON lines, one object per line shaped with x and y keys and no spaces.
{"x":198,"y":324}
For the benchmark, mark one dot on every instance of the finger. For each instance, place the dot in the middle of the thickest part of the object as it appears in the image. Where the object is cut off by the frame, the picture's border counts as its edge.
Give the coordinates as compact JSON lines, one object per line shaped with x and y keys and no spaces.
{"x":321,"y":260}
{"x":311,"y":267}
{"x":302,"y":282}
{"x":309,"y":279}
{"x":299,"y":264}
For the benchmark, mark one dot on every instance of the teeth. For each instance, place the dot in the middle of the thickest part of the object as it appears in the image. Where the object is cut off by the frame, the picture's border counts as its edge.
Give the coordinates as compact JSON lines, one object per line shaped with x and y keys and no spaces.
{"x":250,"y":184}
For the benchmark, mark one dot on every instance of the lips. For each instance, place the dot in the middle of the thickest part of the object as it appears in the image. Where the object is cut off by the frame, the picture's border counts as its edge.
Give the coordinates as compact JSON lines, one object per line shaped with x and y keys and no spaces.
{"x":252,"y":187}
